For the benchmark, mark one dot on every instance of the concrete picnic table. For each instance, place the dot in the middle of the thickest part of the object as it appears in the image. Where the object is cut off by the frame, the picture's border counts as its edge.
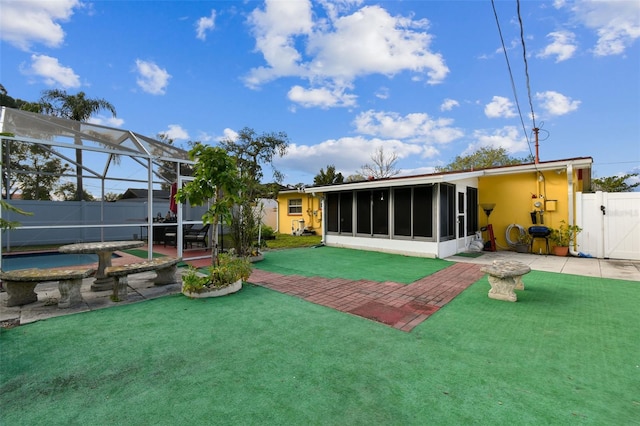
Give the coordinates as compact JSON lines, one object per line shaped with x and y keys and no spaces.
{"x":104,"y":250}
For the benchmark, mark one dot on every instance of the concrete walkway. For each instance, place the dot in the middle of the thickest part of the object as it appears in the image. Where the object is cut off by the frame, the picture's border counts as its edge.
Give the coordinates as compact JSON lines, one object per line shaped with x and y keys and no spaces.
{"x":398,"y":305}
{"x":603,"y":268}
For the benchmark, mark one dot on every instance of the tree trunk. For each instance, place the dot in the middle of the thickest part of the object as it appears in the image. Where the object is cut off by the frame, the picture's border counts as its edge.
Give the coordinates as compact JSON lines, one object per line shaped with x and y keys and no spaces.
{"x":214,"y":244}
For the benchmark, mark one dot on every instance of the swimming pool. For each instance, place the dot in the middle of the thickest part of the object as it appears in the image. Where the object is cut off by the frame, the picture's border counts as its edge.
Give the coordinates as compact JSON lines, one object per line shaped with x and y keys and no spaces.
{"x":11,"y":262}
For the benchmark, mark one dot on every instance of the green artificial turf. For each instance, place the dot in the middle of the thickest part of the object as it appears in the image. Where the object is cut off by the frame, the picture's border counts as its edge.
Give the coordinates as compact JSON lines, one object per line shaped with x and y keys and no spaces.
{"x":565,"y":353}
{"x":334,"y":262}
{"x":470,"y":254}
{"x":143,"y":255}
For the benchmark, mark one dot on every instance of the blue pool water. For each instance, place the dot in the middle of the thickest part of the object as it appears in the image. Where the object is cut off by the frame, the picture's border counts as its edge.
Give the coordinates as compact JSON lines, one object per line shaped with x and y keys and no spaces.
{"x":12,"y":262}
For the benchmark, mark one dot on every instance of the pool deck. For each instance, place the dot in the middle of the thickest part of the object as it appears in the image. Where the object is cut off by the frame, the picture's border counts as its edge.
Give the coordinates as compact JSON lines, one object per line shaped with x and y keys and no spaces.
{"x":142,"y":288}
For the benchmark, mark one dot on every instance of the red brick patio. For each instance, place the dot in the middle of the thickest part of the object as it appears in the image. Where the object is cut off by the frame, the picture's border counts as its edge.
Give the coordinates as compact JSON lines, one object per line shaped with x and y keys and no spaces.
{"x":400,"y":306}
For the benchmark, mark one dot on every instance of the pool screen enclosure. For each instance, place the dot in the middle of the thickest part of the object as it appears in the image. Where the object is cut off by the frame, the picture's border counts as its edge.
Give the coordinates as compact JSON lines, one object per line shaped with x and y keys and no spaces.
{"x":111,"y":158}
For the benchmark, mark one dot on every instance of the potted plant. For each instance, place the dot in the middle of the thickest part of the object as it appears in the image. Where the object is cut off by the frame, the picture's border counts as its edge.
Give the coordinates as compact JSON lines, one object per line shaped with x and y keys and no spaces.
{"x":216,"y":181}
{"x":523,"y":243}
{"x":224,"y":278}
{"x":563,"y":237}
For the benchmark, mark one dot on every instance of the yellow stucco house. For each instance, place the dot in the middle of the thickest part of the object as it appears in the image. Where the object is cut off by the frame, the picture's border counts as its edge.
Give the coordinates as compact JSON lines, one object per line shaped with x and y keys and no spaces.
{"x":439,"y":215}
{"x":299,"y":211}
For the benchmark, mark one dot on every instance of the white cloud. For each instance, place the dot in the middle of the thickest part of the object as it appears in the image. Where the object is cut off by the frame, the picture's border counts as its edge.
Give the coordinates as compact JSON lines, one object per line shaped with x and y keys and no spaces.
{"x":562,"y":46}
{"x":151,"y":79}
{"x":555,"y":103}
{"x":499,"y":107}
{"x":382,"y":93}
{"x":274,"y":29}
{"x":106,"y":121}
{"x":176,"y":132}
{"x":449,"y":104}
{"x":321,"y":97}
{"x":335,"y":7}
{"x":52,"y":72}
{"x":332,"y":53}
{"x":205,"y":24}
{"x":25,"y":23}
{"x":204,"y":137}
{"x":348,"y":154}
{"x":371,"y":41}
{"x":414,"y":127}
{"x":617,"y":23}
{"x":508,"y":138}
{"x":228,"y":134}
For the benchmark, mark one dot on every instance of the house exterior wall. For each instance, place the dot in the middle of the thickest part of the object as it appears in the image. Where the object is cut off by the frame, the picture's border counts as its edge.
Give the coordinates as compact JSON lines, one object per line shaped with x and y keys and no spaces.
{"x":270,"y":213}
{"x":516,"y":195}
{"x":310,"y":212}
{"x":385,"y":245}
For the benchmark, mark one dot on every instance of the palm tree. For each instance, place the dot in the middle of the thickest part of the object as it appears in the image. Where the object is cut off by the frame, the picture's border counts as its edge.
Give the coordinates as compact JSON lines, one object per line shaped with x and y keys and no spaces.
{"x":74,"y":107}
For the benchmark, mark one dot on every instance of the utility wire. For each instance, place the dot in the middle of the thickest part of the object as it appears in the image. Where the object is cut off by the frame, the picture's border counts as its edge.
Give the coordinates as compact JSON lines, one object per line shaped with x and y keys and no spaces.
{"x":526,"y":66}
{"x":513,"y":85}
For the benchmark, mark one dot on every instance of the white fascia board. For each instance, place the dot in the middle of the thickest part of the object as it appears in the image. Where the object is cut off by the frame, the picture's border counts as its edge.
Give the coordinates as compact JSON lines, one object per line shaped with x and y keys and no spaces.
{"x":395,"y":182}
{"x":540,"y":167}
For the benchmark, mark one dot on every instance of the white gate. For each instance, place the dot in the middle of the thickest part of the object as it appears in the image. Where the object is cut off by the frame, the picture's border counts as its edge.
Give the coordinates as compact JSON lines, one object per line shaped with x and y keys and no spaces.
{"x":610,"y":223}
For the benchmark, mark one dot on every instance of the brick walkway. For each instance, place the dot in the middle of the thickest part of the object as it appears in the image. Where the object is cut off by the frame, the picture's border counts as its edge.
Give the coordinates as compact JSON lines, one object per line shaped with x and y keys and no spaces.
{"x":399,"y":305}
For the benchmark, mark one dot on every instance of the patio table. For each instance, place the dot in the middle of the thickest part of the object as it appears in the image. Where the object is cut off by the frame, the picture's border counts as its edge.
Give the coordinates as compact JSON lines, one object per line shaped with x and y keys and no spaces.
{"x":104,"y":250}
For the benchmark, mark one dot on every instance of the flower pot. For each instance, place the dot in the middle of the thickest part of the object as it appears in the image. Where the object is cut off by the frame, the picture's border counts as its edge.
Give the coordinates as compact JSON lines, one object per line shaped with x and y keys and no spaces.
{"x":561,"y":250}
{"x":257,"y":258}
{"x":215,"y":292}
{"x":522,"y":248}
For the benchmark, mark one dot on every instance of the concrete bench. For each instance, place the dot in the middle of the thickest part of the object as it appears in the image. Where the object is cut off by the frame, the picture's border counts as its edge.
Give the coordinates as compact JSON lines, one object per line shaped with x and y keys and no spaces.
{"x":20,"y":285}
{"x":504,"y":277}
{"x":165,"y":268}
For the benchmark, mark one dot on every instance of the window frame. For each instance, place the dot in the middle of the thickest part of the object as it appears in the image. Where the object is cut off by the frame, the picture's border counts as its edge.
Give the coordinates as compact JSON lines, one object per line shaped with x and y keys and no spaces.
{"x":290,"y":206}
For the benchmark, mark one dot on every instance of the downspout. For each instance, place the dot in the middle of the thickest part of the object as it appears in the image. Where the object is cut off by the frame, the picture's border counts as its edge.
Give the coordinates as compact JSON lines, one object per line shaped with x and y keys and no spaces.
{"x":323,"y":224}
{"x":7,"y":194}
{"x":570,"y":202}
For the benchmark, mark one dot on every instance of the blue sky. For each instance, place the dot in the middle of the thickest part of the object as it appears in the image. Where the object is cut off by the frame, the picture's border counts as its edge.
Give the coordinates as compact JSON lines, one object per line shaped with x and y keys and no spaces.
{"x":427,"y":80}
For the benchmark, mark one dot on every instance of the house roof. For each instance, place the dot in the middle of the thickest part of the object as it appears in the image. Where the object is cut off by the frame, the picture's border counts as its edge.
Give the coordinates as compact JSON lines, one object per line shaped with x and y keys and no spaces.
{"x":579,"y":162}
{"x":133,"y":194}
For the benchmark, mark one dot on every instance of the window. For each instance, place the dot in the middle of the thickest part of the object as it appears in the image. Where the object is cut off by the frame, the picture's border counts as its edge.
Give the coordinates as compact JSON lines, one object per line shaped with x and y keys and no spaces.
{"x":363,"y":212}
{"x":461,"y":215}
{"x":447,"y":211}
{"x":333,"y":209}
{"x":423,"y":211}
{"x":380,"y":212}
{"x":472,"y":210}
{"x":402,"y":212}
{"x":295,"y":206}
{"x":346,"y":212}
{"x":369,"y":210}
{"x":340,"y":212}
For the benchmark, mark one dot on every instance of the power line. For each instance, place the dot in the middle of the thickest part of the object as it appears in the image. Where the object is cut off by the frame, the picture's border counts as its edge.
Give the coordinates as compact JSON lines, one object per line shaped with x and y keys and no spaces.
{"x":526,"y":65}
{"x":513,"y":85}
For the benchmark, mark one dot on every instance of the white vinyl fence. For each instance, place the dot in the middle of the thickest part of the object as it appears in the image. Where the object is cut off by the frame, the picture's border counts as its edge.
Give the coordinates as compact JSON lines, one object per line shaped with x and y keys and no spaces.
{"x":611,"y":224}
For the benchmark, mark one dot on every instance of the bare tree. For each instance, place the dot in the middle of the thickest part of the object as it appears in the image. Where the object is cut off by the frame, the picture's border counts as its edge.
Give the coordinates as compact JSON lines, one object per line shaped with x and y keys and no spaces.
{"x":383,"y":166}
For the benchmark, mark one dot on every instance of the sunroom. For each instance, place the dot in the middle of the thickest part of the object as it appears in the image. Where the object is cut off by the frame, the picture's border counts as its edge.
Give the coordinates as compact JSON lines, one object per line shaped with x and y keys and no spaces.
{"x":428,"y":216}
